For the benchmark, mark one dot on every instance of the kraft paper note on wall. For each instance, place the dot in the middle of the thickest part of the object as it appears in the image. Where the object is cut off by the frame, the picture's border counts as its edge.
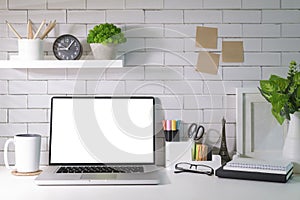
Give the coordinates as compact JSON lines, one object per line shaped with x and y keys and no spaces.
{"x":208,"y":62}
{"x":206,"y":37}
{"x":232,"y":51}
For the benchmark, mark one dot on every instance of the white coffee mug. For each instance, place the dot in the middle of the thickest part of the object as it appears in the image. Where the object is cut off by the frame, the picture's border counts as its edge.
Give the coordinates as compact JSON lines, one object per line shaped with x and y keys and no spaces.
{"x":27,"y":152}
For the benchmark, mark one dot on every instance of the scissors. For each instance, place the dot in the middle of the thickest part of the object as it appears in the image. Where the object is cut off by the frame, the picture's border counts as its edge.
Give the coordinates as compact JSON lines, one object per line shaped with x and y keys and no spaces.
{"x":196,"y":132}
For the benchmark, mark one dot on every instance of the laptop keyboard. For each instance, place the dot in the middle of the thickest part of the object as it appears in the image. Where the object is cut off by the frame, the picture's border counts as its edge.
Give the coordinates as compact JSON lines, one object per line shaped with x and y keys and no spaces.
{"x":101,"y":169}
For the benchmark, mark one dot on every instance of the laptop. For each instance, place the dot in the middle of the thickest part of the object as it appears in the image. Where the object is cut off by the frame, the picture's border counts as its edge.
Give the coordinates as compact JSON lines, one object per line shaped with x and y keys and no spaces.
{"x":101,"y":140}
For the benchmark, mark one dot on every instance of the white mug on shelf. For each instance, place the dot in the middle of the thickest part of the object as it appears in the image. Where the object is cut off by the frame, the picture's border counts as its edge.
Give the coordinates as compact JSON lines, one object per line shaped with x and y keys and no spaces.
{"x":27,"y":152}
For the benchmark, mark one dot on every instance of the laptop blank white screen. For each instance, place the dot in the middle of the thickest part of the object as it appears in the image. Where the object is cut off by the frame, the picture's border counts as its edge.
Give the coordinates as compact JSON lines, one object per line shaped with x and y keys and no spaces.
{"x":102,"y":130}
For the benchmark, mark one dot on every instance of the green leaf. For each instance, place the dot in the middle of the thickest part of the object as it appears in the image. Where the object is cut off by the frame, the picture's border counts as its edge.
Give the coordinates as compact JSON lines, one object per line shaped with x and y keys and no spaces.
{"x":265,"y":95}
{"x":267,"y":86}
{"x":278,"y":117}
{"x":281,"y":83}
{"x":296,"y":78}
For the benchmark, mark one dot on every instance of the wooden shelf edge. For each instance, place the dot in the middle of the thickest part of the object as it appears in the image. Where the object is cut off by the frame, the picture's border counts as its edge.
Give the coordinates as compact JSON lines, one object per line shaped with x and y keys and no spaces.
{"x":54,"y":64}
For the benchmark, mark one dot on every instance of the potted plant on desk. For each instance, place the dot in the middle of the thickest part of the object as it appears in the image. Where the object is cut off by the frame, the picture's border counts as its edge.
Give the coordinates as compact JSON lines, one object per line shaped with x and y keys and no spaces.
{"x":103,"y":39}
{"x":284,"y":95}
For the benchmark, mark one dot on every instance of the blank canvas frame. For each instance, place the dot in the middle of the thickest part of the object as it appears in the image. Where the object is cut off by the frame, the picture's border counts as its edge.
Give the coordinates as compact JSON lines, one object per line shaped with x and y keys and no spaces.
{"x":259,"y":135}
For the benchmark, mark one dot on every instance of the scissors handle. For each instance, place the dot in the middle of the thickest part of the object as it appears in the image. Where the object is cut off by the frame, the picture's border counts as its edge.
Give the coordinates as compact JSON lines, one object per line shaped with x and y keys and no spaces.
{"x":192,"y":130}
{"x":199,"y":133}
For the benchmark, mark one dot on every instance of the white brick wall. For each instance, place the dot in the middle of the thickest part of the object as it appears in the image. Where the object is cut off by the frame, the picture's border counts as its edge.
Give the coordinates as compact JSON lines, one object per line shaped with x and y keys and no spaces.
{"x":105,"y":87}
{"x":261,"y":4}
{"x":37,"y":16}
{"x":144,"y":87}
{"x":284,"y":44}
{"x":144,"y":4}
{"x":159,"y":56}
{"x":149,"y":58}
{"x":166,"y":16}
{"x":11,"y":129}
{"x":203,"y":16}
{"x":75,"y":29}
{"x":179,"y":4}
{"x":183,"y":87}
{"x":144,"y":30}
{"x":281,"y":16}
{"x":202,"y":102}
{"x":79,"y":16}
{"x":221,"y":87}
{"x":220,"y":4}
{"x":104,"y":4}
{"x":28,"y":115}
{"x":243,"y":73}
{"x":29,"y":4}
{"x":238,"y":16}
{"x":291,"y":4}
{"x":39,"y":101}
{"x":290,"y":30}
{"x":125,"y":16}
{"x":261,"y":30}
{"x":3,"y":87}
{"x":27,"y":87}
{"x":13,"y":16}
{"x":66,"y":87}
{"x":3,"y":115}
{"x":262,"y":59}
{"x":287,"y":57}
{"x":3,"y":4}
{"x":66,"y":4}
{"x":13,"y":101}
{"x":163,"y":73}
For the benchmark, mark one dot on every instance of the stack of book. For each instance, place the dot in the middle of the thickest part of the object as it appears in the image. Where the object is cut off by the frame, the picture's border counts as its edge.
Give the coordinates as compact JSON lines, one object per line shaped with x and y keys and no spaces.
{"x":253,"y":169}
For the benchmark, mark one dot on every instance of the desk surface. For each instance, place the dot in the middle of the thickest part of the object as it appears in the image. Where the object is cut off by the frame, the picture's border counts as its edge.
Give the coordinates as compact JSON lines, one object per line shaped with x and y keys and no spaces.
{"x":177,"y":187}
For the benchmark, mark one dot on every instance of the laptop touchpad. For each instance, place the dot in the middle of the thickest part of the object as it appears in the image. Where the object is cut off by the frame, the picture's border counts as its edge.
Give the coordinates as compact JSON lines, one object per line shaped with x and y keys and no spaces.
{"x":99,"y":176}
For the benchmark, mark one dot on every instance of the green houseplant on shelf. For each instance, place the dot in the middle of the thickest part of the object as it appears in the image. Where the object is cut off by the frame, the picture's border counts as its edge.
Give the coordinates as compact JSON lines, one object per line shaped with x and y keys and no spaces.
{"x":103,"y":39}
{"x":284,"y":96}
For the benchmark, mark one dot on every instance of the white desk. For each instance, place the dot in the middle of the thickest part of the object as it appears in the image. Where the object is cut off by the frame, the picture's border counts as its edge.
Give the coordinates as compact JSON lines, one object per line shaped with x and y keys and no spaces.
{"x":180,"y":187}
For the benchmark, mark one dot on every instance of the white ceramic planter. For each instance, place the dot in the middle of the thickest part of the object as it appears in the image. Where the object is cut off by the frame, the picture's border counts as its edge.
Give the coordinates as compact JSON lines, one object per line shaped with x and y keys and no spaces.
{"x":291,"y":147}
{"x":103,"y":52}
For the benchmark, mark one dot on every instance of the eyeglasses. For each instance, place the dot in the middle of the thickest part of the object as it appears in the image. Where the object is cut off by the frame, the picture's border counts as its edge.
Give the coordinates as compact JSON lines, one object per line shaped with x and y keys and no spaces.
{"x":193,"y":168}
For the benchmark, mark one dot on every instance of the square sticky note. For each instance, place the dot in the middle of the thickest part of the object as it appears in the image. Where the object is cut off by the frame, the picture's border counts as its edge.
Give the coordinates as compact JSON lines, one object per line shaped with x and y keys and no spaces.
{"x":208,"y":62}
{"x":232,"y":51}
{"x":206,"y":37}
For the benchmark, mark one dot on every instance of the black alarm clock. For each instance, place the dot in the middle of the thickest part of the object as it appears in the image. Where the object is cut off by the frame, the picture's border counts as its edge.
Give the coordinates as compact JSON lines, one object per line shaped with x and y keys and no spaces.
{"x":67,"y":47}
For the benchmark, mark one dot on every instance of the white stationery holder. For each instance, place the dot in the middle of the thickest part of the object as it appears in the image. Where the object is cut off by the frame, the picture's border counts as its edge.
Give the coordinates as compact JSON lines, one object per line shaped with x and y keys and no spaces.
{"x":176,"y":152}
{"x":30,"y":49}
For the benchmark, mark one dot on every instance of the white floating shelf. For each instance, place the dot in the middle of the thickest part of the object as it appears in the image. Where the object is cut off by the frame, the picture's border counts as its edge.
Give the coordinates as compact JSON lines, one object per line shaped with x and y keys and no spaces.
{"x":46,"y":64}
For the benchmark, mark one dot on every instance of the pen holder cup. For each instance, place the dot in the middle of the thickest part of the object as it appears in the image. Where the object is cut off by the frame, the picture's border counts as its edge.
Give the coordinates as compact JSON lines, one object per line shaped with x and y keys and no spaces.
{"x":201,"y":152}
{"x":177,"y":152}
{"x":31,"y":49}
{"x":171,"y":136}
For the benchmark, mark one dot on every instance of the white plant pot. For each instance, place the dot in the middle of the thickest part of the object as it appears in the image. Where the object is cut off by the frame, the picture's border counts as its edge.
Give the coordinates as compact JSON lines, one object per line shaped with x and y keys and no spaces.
{"x":291,"y":147}
{"x":103,"y":52}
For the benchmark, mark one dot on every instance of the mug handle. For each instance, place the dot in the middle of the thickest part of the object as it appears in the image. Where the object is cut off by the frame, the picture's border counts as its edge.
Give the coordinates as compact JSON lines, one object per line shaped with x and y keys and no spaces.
{"x":11,"y":140}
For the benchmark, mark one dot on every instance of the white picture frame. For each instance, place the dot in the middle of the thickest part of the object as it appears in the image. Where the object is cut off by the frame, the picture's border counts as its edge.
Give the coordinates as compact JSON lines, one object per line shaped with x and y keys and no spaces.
{"x":259,"y":135}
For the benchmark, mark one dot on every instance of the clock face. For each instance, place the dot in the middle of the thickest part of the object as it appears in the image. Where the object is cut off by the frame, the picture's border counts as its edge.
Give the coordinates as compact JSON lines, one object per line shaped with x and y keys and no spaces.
{"x":67,"y":47}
